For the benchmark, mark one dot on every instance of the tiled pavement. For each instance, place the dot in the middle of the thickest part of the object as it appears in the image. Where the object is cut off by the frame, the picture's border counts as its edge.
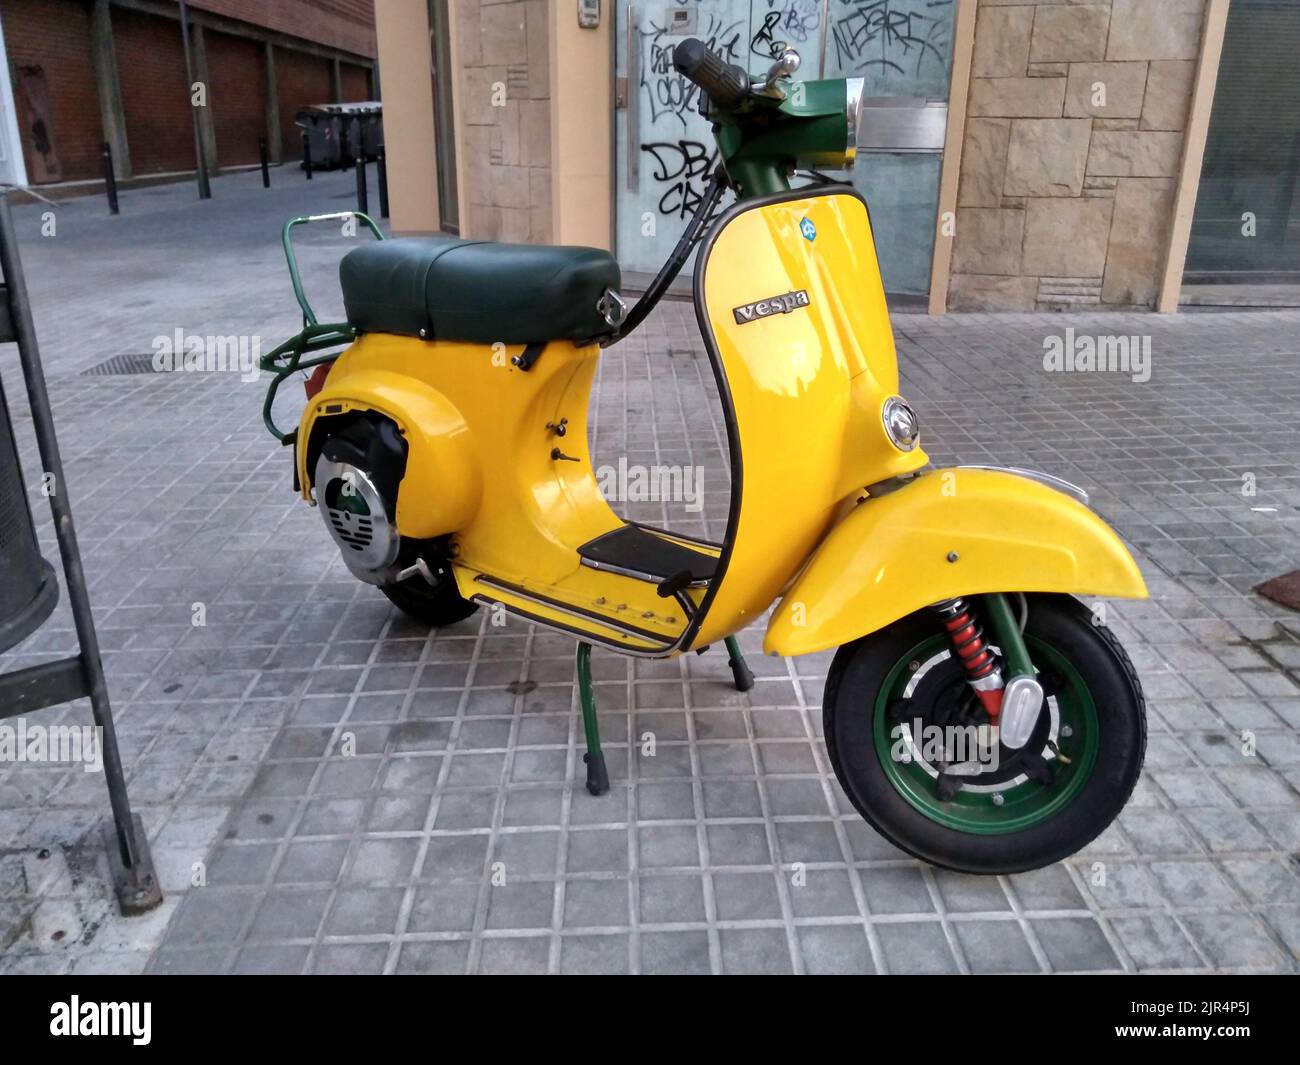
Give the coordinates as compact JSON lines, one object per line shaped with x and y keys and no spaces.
{"x":351,"y":793}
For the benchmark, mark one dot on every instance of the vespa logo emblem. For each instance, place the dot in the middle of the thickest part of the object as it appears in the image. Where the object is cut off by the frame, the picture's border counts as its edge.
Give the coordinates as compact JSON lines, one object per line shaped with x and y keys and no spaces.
{"x":752,"y":312}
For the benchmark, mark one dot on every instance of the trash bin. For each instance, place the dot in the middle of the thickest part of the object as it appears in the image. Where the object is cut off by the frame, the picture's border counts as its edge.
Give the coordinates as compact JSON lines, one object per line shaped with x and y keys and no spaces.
{"x":28,"y":589}
{"x":329,"y":131}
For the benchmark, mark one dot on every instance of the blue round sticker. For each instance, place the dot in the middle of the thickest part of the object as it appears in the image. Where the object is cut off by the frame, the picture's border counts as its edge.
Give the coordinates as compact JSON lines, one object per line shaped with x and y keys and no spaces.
{"x":808,"y":230}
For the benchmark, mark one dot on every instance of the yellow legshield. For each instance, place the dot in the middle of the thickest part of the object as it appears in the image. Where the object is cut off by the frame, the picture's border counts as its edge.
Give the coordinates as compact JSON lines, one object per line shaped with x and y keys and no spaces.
{"x":805,"y":387}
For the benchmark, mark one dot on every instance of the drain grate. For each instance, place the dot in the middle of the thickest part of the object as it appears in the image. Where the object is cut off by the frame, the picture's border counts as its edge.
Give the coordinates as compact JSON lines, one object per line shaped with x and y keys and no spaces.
{"x":120,"y":365}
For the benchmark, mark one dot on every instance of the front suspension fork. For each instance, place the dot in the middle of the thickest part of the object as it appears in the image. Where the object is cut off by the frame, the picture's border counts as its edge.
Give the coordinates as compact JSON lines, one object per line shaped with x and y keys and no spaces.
{"x":1013,"y":701}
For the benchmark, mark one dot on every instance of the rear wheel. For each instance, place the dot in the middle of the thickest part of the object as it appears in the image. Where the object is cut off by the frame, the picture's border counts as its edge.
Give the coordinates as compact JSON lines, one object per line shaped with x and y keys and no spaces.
{"x":435,"y":604}
{"x":898,"y":712}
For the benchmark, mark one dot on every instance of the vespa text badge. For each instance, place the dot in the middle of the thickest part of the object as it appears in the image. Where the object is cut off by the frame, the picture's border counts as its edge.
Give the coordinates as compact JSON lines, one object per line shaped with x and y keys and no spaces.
{"x":752,"y":312}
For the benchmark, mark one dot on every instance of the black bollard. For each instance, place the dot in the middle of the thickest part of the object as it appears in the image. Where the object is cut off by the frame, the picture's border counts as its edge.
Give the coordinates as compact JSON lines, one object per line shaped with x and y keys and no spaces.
{"x":266,"y":162}
{"x":363,"y":197}
{"x":306,"y":155}
{"x":110,"y":179}
{"x":381,"y":166}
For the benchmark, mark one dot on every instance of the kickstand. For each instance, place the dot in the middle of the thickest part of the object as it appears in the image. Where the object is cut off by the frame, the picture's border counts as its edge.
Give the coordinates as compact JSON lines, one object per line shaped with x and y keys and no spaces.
{"x":597,"y":774}
{"x":740,"y":672}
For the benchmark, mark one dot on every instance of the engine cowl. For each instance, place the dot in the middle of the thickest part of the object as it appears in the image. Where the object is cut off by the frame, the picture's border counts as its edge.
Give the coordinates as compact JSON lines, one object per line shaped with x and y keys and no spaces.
{"x":356,"y":511}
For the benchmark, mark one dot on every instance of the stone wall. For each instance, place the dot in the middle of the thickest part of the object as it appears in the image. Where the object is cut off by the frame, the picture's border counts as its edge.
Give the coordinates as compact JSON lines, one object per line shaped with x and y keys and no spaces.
{"x":503,"y":78}
{"x":1073,"y":141}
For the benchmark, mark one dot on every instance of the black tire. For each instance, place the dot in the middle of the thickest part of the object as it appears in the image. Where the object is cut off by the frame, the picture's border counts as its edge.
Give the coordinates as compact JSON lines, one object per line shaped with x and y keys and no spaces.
{"x":852,"y":689}
{"x":438,"y":605}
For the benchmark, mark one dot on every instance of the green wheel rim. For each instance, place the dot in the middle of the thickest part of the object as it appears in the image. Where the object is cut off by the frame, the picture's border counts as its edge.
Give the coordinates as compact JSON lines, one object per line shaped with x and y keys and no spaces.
{"x":1023,"y":804}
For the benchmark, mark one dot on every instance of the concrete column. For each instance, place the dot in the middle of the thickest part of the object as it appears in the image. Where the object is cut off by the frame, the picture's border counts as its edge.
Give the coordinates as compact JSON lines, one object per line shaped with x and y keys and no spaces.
{"x":273,"y":132}
{"x":336,"y":80}
{"x":103,"y":58}
{"x":402,"y":30}
{"x":207,"y":126}
{"x":582,"y":129}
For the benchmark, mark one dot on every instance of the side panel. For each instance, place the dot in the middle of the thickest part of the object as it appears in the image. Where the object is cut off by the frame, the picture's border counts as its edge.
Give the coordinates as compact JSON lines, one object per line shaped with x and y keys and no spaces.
{"x":804,"y":387}
{"x":948,"y":533}
{"x":443,"y":486}
{"x":531,"y":511}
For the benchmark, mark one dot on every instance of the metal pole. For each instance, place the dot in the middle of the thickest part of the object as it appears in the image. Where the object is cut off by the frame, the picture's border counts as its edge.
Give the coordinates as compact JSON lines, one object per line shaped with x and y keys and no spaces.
{"x":28,"y":353}
{"x":200,"y":159}
{"x":381,"y":171}
{"x":110,"y":179}
{"x":266,"y":162}
{"x":363,"y":193}
{"x":306,"y":154}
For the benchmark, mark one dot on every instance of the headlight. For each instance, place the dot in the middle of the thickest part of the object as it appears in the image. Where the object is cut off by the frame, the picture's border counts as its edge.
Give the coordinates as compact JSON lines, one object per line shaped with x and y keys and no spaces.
{"x":901,"y":425}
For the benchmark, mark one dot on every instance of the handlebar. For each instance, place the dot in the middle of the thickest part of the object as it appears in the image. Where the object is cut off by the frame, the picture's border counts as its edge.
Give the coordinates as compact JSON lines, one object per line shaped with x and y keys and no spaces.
{"x":724,"y":83}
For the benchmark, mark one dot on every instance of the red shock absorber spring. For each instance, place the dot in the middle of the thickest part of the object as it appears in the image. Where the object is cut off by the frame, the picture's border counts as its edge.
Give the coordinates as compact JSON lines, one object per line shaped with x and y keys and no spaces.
{"x":968,"y":644}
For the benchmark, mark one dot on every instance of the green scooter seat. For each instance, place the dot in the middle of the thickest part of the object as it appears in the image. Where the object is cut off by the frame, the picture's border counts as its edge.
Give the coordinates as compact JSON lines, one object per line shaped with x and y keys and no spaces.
{"x":476,"y":291}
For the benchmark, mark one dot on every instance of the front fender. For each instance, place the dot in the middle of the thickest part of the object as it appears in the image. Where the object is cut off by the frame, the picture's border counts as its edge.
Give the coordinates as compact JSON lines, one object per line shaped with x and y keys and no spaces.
{"x":948,"y":533}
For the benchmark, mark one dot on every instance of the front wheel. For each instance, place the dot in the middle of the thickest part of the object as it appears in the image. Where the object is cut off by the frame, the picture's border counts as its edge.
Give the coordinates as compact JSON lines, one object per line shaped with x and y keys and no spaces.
{"x":913,"y":748}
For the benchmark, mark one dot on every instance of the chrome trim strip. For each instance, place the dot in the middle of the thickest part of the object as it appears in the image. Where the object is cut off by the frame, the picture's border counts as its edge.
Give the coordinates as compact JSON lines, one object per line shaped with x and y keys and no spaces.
{"x":621,"y":571}
{"x":669,"y":534}
{"x":639,"y":575}
{"x":574,"y":612}
{"x":1071,"y":490}
{"x":574,"y":633}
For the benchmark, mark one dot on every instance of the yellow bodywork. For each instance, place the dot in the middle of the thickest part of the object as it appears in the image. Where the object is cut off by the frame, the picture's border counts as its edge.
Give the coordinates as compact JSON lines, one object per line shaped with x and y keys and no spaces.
{"x":803,"y":393}
{"x":516,"y":543}
{"x":948,"y":533}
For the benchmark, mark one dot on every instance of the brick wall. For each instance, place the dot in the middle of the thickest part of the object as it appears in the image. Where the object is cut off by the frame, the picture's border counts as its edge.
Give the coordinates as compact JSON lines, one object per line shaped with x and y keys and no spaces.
{"x":504,"y":86}
{"x":301,"y":79}
{"x":237,"y":94}
{"x":1073,"y":141}
{"x":54,"y":36}
{"x":348,"y":25}
{"x":155,"y":94}
{"x":356,"y":84}
{"x":49,"y":48}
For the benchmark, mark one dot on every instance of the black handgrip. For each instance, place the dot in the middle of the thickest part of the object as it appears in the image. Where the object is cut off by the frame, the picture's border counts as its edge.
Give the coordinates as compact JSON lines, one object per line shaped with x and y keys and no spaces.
{"x":725,"y":84}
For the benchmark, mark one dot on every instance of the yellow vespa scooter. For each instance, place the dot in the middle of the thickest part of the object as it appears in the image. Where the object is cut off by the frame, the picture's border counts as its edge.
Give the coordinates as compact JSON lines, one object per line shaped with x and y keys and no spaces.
{"x":975,"y":712}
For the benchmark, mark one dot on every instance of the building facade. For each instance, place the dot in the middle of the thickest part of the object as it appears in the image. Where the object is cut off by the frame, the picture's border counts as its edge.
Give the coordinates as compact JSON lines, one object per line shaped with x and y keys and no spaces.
{"x":1055,"y":153}
{"x":83,"y":73}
